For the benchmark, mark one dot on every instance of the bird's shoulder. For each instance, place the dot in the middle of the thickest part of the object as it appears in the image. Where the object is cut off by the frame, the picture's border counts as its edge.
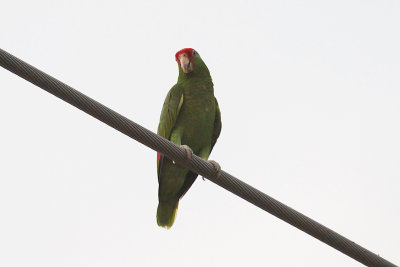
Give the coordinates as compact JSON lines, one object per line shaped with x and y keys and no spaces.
{"x":170,"y":111}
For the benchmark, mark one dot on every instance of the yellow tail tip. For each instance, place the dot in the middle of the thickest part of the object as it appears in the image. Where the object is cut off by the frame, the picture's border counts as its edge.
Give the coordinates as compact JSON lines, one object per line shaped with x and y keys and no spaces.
{"x":166,"y":213}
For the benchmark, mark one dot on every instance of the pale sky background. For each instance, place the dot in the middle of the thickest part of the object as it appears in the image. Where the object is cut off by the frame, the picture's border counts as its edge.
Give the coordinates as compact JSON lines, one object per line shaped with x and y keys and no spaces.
{"x":310,"y":98}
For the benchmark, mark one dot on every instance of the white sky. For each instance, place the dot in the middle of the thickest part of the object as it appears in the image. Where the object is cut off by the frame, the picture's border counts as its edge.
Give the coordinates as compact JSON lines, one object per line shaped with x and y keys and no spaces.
{"x":309,"y":94}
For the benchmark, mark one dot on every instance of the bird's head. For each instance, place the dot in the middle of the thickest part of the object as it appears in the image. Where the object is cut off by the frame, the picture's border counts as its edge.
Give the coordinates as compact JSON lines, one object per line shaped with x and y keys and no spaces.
{"x":186,"y":59}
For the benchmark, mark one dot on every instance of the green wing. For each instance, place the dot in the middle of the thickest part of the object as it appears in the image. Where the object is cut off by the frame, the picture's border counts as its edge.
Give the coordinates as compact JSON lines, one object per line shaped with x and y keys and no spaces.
{"x":217,"y":125}
{"x":169,"y":114}
{"x":191,"y":176}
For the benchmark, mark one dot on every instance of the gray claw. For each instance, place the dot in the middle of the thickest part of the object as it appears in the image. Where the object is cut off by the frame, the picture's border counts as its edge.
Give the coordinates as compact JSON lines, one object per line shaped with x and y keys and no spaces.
{"x":189,"y":151}
{"x":217,"y":168}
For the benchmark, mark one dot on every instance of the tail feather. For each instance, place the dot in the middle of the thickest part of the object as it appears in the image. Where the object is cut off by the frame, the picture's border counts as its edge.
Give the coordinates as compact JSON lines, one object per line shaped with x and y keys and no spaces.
{"x":166,"y":212}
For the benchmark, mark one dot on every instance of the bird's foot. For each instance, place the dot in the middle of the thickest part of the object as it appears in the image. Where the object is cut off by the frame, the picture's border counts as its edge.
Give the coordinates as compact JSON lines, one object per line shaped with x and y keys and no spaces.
{"x":217,"y":168}
{"x":189,"y":152}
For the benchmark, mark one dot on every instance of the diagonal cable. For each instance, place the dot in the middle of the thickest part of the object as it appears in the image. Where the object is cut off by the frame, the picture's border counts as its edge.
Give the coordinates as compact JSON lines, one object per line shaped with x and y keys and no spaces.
{"x":198,"y":165}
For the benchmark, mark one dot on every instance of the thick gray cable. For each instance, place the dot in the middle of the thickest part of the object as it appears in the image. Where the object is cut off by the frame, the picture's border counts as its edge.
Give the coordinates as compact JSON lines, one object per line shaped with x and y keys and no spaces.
{"x":197,"y":165}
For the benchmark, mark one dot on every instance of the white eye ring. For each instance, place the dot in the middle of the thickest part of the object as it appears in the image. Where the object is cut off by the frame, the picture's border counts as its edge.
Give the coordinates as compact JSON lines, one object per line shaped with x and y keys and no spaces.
{"x":194,"y":52}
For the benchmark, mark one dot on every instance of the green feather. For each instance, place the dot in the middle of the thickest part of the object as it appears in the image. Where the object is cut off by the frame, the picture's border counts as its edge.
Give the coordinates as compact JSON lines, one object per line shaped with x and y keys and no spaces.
{"x":190,"y":116}
{"x":166,"y":213}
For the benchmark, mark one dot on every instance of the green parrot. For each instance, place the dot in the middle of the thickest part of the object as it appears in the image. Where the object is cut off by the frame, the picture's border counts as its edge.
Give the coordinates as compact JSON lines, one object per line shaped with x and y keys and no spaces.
{"x":191,"y":119}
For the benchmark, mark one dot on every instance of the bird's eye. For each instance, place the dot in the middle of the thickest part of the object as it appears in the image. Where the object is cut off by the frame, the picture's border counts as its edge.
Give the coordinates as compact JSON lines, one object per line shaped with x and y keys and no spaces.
{"x":194,"y":52}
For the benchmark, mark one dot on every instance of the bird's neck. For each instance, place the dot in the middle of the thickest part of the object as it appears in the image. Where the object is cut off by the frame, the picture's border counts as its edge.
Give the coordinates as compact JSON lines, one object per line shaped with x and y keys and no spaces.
{"x":197,"y":86}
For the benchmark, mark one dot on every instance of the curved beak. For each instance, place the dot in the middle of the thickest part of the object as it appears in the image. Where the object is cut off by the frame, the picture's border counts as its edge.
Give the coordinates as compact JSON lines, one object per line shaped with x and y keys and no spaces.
{"x":186,"y":64}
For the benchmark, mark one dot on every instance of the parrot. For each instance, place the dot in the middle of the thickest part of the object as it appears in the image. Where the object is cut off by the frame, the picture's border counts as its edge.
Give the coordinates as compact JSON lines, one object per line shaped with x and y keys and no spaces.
{"x":191,"y":119}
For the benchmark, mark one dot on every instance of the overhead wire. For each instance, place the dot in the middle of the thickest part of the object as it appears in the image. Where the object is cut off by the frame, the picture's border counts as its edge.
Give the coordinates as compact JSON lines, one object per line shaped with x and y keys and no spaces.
{"x":196,"y":164}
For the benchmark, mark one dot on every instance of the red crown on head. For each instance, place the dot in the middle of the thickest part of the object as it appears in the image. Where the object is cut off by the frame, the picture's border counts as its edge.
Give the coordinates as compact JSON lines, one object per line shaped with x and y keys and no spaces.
{"x":188,"y":51}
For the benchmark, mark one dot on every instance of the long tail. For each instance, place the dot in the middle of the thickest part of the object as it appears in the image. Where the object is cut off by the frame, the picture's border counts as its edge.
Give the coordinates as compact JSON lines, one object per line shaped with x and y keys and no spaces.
{"x":166,"y":213}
